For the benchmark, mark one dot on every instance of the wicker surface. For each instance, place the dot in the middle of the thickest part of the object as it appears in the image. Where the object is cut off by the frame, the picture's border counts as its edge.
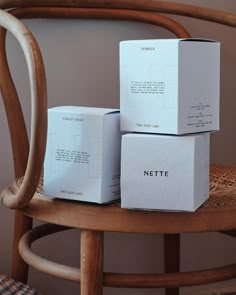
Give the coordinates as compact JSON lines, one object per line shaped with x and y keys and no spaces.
{"x":222,"y":187}
{"x":217,"y":214}
{"x":9,"y":286}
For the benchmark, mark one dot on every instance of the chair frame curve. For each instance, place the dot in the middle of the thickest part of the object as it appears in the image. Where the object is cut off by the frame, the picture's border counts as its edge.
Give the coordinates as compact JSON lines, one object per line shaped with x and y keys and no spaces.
{"x":33,"y":155}
{"x":117,"y":9}
{"x":38,"y":92}
{"x":118,"y":280}
{"x":37,"y":79}
{"x":150,"y":5}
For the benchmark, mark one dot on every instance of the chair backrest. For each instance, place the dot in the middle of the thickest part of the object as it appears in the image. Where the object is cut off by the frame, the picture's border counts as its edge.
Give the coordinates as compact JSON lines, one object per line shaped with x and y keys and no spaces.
{"x":29,"y":161}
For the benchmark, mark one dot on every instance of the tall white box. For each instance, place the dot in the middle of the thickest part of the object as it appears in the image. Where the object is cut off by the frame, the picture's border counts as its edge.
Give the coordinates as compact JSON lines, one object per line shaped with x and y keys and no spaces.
{"x":169,"y":86}
{"x":161,"y":172}
{"x":82,"y":159}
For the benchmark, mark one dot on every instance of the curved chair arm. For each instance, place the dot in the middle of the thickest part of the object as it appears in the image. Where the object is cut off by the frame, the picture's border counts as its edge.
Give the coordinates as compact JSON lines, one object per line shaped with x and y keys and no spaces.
{"x":37,"y":75}
{"x":149,"y":5}
{"x":39,"y":111}
{"x":103,"y":13}
{"x":36,"y":70}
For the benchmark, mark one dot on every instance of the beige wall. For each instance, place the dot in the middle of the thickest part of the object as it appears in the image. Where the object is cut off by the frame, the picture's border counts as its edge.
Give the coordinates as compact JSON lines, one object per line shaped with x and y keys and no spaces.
{"x":83,"y":69}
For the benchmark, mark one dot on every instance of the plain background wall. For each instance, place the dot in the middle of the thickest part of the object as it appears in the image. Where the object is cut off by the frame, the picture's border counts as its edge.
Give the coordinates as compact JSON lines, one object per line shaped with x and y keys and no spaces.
{"x":82,"y":69}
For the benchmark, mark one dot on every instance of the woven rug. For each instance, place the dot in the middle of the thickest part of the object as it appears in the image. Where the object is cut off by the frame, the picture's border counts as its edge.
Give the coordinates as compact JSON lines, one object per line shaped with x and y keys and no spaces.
{"x":9,"y":286}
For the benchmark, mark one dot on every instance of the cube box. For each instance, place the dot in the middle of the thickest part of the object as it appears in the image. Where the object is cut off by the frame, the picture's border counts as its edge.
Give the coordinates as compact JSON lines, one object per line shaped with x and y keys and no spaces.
{"x":160,"y":172}
{"x":82,"y":159}
{"x":169,"y":86}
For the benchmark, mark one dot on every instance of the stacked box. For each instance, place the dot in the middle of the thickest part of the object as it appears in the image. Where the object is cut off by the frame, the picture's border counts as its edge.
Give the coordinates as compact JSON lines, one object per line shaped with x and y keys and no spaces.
{"x":164,"y":172}
{"x":169,"y":97}
{"x":82,"y":159}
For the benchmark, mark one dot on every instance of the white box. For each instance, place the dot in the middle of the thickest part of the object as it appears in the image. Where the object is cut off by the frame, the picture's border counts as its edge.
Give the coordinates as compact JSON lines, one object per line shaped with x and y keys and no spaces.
{"x":161,"y":172}
{"x":82,"y":159}
{"x":169,"y":86}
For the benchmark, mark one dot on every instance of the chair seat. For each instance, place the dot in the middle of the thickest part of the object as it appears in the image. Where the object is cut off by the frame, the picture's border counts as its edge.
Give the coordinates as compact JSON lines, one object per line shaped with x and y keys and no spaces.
{"x":216,"y":214}
{"x":9,"y":286}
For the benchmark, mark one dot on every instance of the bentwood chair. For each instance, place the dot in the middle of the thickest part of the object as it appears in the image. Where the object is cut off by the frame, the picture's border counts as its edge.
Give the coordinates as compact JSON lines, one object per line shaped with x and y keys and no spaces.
{"x":25,"y":194}
{"x":8,"y":285}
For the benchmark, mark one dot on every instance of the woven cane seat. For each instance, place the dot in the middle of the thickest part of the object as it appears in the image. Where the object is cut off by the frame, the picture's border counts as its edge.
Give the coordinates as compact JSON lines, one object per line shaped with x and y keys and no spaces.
{"x":9,"y":286}
{"x":216,"y":214}
{"x":222,"y":187}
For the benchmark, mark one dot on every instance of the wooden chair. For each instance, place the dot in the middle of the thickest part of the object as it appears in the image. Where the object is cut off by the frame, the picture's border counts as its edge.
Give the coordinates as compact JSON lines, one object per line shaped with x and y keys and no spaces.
{"x":25,"y":194}
{"x":8,"y":285}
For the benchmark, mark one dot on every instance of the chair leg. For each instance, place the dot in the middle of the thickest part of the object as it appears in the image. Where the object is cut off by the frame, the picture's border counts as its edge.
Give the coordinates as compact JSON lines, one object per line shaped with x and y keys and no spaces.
{"x":19,"y":269}
{"x":172,"y":257}
{"x":91,"y":265}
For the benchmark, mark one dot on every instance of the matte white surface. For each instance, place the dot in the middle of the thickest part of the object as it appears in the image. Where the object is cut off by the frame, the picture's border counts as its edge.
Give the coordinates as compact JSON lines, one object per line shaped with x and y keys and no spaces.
{"x":76,"y":167}
{"x":169,"y":86}
{"x":160,"y":172}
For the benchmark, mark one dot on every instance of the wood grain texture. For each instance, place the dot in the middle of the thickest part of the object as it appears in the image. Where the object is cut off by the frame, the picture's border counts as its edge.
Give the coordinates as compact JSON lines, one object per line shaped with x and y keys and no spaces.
{"x":19,"y":269}
{"x":109,"y":14}
{"x":145,"y":5}
{"x":170,"y":280}
{"x":39,"y":113}
{"x":91,"y":262}
{"x":113,"y":218}
{"x":16,"y":124}
{"x":91,"y":256}
{"x":172,"y":258}
{"x":216,"y":214}
{"x":42,"y":264}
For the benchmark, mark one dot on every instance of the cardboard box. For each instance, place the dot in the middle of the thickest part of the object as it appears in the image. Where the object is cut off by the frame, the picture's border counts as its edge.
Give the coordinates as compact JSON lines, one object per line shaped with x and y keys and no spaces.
{"x":83,"y":154}
{"x":161,"y":172}
{"x":169,"y":86}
